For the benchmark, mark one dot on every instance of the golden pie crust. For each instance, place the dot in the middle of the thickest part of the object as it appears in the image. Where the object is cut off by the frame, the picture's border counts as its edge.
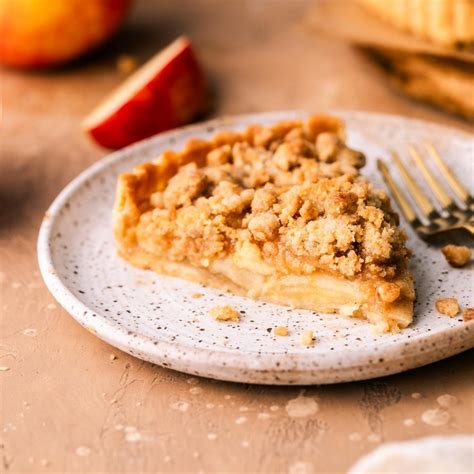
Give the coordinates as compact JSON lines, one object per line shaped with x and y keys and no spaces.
{"x":276,"y":213}
{"x":446,"y":22}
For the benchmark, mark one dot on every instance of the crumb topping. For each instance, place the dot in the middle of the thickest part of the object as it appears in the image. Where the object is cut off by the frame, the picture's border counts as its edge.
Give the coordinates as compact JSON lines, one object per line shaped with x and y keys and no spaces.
{"x":448,"y":306}
{"x":456,"y":255}
{"x":290,"y":193}
{"x":224,"y":313}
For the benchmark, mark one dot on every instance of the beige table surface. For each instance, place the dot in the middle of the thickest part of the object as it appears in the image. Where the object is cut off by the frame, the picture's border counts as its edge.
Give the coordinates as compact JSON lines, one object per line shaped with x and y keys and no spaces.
{"x":65,"y":405}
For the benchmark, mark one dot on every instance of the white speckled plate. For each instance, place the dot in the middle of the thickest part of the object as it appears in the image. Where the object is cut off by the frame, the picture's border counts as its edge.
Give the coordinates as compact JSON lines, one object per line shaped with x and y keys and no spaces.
{"x":154,"y":317}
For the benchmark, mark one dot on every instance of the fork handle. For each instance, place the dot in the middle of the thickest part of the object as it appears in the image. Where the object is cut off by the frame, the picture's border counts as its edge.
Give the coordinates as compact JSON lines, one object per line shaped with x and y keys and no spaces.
{"x":469,"y":228}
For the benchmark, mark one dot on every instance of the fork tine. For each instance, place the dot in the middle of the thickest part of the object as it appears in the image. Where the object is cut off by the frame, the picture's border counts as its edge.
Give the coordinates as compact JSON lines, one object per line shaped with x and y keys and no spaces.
{"x":454,"y":182}
{"x":446,"y":202}
{"x":403,"y":204}
{"x":419,"y":196}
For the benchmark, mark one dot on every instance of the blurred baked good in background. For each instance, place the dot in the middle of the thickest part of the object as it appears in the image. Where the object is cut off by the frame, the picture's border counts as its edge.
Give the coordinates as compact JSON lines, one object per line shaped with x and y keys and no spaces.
{"x":446,"y":83}
{"x":425,"y":48}
{"x":445,"y":22}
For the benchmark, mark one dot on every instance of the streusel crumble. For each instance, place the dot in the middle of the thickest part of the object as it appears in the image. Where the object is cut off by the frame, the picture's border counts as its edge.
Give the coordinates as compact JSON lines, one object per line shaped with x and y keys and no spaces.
{"x":297,"y":202}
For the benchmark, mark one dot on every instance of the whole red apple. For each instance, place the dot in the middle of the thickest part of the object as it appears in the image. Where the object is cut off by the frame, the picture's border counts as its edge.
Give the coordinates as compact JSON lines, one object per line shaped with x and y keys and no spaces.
{"x":41,"y":33}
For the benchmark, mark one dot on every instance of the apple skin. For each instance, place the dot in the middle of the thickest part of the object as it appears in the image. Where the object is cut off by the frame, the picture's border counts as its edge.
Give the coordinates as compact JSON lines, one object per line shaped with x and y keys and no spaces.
{"x":173,"y":97}
{"x":44,"y":33}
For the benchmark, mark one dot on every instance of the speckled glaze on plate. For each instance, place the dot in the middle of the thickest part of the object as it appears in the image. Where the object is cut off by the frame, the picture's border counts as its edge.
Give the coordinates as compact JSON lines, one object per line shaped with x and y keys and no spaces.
{"x":155,"y":318}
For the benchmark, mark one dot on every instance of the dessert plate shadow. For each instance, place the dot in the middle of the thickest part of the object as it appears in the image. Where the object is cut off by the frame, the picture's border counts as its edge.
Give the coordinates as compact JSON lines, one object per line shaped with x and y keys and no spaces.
{"x":155,"y":318}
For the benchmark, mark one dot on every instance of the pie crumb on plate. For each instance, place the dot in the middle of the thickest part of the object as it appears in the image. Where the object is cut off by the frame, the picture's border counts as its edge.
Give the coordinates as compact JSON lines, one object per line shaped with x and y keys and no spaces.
{"x":448,"y":306}
{"x":281,"y":331}
{"x":456,"y":255}
{"x":468,"y":314}
{"x":225,"y":313}
{"x":307,"y":339}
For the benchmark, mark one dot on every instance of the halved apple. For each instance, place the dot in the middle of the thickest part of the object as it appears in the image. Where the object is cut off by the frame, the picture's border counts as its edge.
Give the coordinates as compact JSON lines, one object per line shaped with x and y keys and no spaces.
{"x":166,"y":92}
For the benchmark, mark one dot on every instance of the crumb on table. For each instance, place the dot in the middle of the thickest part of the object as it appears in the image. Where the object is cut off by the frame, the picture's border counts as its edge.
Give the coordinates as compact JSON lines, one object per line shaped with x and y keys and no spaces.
{"x":281,"y":331}
{"x":448,"y":306}
{"x":197,"y":295}
{"x":456,"y":255}
{"x":468,"y":314}
{"x":308,"y":338}
{"x":225,"y":313}
{"x":126,"y":63}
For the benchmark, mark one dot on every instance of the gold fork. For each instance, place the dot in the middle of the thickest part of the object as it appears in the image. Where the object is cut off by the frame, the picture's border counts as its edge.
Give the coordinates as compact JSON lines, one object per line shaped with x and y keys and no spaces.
{"x":451,"y":217}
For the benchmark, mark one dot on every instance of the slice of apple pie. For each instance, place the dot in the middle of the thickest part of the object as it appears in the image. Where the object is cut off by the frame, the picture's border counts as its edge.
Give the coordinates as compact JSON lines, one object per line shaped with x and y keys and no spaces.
{"x":276,"y":213}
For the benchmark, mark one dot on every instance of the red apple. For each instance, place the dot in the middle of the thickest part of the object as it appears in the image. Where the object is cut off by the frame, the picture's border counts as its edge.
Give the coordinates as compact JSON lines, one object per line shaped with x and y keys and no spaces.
{"x":42,"y":33}
{"x":166,"y":92}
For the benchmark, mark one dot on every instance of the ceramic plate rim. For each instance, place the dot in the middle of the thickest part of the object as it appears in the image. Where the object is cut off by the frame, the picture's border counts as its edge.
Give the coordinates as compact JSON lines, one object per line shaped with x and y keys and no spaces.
{"x":203,"y":357}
